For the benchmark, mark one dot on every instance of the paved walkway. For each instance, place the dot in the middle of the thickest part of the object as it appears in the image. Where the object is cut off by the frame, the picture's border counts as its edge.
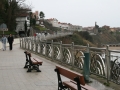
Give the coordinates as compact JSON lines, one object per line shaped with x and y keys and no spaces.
{"x":14,"y":77}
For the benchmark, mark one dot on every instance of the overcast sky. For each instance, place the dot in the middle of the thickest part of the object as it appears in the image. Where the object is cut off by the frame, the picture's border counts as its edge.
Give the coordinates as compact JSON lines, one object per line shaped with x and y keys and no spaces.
{"x":80,"y":12}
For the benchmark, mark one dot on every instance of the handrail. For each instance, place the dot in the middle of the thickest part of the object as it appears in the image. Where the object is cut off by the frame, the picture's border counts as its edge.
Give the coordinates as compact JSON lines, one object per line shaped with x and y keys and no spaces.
{"x":101,"y":59}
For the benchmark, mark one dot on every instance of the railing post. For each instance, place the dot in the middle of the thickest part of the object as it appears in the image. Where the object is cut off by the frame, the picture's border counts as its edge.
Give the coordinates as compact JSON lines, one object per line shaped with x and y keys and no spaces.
{"x":52,"y":56}
{"x":45,"y":48}
{"x":25,"y":43}
{"x":39,"y":42}
{"x":28,"y":45}
{"x":61,"y":52}
{"x":22,"y":43}
{"x":107,"y":59}
{"x":86,"y":66}
{"x":32,"y":45}
{"x":88,"y":50}
{"x":36,"y":46}
{"x":72,"y":53}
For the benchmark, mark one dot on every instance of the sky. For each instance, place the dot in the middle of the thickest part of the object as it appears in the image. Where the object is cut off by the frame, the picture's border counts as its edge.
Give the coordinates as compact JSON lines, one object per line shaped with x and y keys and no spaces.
{"x":80,"y":12}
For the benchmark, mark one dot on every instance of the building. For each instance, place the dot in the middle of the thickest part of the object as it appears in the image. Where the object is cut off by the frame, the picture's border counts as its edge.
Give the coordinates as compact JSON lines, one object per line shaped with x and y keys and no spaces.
{"x":54,"y":22}
{"x":64,"y":26}
{"x":106,"y":27}
{"x":20,"y":20}
{"x":35,"y":15}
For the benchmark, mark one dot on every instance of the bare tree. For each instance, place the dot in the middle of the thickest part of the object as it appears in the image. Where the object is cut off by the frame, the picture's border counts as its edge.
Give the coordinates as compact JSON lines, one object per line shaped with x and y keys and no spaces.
{"x":10,"y":10}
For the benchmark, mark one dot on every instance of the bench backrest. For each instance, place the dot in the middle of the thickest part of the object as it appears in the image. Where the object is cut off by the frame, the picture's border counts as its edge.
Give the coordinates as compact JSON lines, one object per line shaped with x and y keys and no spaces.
{"x":70,"y":74}
{"x":28,"y":55}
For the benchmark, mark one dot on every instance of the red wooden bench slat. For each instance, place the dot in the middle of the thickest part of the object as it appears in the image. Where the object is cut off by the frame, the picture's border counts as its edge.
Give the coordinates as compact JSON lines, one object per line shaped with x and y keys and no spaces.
{"x":70,"y":74}
{"x":38,"y":60}
{"x":70,"y":85}
{"x":34,"y":61}
{"x":86,"y":87}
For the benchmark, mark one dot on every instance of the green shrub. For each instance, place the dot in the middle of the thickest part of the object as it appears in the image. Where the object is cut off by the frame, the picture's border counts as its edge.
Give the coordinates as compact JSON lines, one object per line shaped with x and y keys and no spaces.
{"x":40,"y":27}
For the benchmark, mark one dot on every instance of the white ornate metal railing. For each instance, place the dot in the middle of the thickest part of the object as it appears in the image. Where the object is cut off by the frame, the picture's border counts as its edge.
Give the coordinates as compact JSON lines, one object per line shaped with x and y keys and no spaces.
{"x":102,"y":60}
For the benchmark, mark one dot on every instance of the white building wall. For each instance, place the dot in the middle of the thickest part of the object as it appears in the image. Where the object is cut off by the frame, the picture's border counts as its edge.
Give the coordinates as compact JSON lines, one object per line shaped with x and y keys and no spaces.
{"x":37,"y":22}
{"x":20,"y":23}
{"x":64,"y":26}
{"x":55,"y":23}
{"x":70,"y":27}
{"x":80,"y":28}
{"x":60,"y":25}
{"x":75,"y":28}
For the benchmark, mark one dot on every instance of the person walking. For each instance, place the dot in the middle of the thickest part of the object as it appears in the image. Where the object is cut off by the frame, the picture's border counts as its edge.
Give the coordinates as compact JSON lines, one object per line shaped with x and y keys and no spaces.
{"x":4,"y":40}
{"x":10,"y":41}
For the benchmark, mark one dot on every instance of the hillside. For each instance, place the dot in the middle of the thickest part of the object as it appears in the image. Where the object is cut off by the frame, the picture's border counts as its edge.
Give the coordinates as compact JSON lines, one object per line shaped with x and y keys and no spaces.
{"x":79,"y":38}
{"x":46,"y":27}
{"x":97,"y":40}
{"x":76,"y":38}
{"x":105,"y":38}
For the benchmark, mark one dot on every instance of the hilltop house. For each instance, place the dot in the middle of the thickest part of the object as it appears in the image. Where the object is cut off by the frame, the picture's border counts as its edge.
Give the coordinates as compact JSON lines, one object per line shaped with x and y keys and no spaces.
{"x":64,"y":26}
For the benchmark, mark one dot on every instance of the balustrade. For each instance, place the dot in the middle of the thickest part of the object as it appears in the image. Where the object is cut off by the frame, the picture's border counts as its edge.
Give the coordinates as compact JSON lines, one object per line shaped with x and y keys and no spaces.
{"x":102,"y":62}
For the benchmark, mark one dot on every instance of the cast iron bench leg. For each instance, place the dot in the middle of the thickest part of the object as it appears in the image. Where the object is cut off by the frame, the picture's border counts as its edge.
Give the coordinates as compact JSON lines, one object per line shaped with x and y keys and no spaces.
{"x":29,"y":69}
{"x":26,"y":66}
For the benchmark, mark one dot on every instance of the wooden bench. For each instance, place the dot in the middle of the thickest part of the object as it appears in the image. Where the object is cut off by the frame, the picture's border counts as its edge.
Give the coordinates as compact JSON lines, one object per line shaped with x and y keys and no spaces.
{"x":76,"y":81}
{"x":32,"y":63}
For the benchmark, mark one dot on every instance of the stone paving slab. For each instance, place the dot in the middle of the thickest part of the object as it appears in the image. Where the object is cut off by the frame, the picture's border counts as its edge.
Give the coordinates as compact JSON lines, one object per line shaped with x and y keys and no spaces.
{"x":14,"y":77}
